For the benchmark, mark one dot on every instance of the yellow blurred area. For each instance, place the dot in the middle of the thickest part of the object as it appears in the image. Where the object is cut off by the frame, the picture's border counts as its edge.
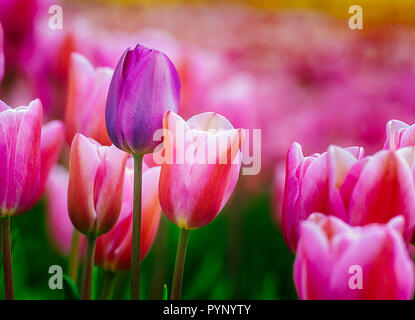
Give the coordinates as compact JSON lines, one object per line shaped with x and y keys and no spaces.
{"x":374,"y":11}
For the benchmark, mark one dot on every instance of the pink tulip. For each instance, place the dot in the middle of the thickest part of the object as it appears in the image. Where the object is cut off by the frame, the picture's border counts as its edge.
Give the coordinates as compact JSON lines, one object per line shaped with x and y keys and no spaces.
{"x":336,"y":261}
{"x":87,"y":96}
{"x":51,"y":139}
{"x":20,"y":156}
{"x":313,"y":184}
{"x":198,"y":177}
{"x":59,"y":224}
{"x":384,"y":188}
{"x":399,"y":135}
{"x":96,"y":178}
{"x":113,"y":251}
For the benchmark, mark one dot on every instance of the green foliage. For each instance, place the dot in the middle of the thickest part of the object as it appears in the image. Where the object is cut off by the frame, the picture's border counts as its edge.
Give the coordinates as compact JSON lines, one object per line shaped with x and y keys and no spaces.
{"x":70,"y":289}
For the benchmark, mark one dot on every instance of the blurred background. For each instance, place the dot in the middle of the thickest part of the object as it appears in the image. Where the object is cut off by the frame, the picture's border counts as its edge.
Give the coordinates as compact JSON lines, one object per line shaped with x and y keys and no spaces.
{"x":293,"y":69}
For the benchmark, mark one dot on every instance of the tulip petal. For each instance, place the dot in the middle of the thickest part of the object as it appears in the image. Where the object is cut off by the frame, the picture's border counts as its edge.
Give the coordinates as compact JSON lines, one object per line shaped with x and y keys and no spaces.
{"x":20,"y":131}
{"x":384,"y":191}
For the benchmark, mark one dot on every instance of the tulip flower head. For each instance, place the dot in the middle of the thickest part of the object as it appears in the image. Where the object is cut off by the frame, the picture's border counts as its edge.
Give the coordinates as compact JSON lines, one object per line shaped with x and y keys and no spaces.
{"x":96,"y":176}
{"x":336,"y":261}
{"x":359,"y":190}
{"x":316,"y":184}
{"x":20,"y":153}
{"x":201,"y":166}
{"x":113,"y":251}
{"x":87,"y":94}
{"x":145,"y":84}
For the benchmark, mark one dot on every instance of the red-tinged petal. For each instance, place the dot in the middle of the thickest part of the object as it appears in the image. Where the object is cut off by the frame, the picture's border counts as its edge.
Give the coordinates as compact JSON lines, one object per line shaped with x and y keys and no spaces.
{"x":51,"y":142}
{"x":339,"y":161}
{"x":384,"y":191}
{"x":113,"y":250}
{"x":108,"y":187}
{"x":210,"y":186}
{"x":350,"y":181}
{"x":84,"y":163}
{"x":195,"y":187}
{"x":151,"y":209}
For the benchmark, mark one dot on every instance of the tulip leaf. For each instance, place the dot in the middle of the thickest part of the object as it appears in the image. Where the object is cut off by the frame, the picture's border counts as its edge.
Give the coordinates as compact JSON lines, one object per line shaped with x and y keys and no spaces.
{"x":69,"y":288}
{"x":165,"y":292}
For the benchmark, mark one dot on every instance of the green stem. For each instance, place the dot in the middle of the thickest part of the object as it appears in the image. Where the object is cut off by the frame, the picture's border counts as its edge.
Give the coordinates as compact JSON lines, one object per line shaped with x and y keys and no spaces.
{"x":74,"y":256}
{"x":88,"y":268}
{"x":108,"y":285}
{"x":179,"y":266}
{"x":7,"y":259}
{"x":136,"y":241}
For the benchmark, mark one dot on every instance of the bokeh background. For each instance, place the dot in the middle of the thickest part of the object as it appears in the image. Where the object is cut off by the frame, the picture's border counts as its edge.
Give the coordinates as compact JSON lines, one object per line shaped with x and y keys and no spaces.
{"x":293,"y":69}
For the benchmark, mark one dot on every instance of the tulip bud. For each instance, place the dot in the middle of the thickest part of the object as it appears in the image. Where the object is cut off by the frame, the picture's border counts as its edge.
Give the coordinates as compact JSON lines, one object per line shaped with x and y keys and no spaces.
{"x":20,"y":132}
{"x":87,"y":95}
{"x":113,"y":251}
{"x":199,"y":177}
{"x":336,"y":261}
{"x":96,"y":176}
{"x":145,"y":84}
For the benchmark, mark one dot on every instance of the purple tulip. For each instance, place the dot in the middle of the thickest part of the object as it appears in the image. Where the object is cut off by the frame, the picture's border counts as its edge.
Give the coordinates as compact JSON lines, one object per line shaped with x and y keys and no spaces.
{"x":145,"y":84}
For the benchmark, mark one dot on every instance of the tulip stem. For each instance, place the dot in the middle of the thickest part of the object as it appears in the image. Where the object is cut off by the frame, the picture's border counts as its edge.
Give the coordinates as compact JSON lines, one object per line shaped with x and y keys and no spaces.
{"x":88,"y":268}
{"x":108,"y":285}
{"x":179,"y":266}
{"x":136,"y":240}
{"x":7,"y":259}
{"x":74,"y":256}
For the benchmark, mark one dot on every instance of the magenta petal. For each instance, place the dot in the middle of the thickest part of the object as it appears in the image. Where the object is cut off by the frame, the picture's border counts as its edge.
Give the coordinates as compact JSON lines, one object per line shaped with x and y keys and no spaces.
{"x":312,"y":264}
{"x":384,"y":191}
{"x":387,"y":271}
